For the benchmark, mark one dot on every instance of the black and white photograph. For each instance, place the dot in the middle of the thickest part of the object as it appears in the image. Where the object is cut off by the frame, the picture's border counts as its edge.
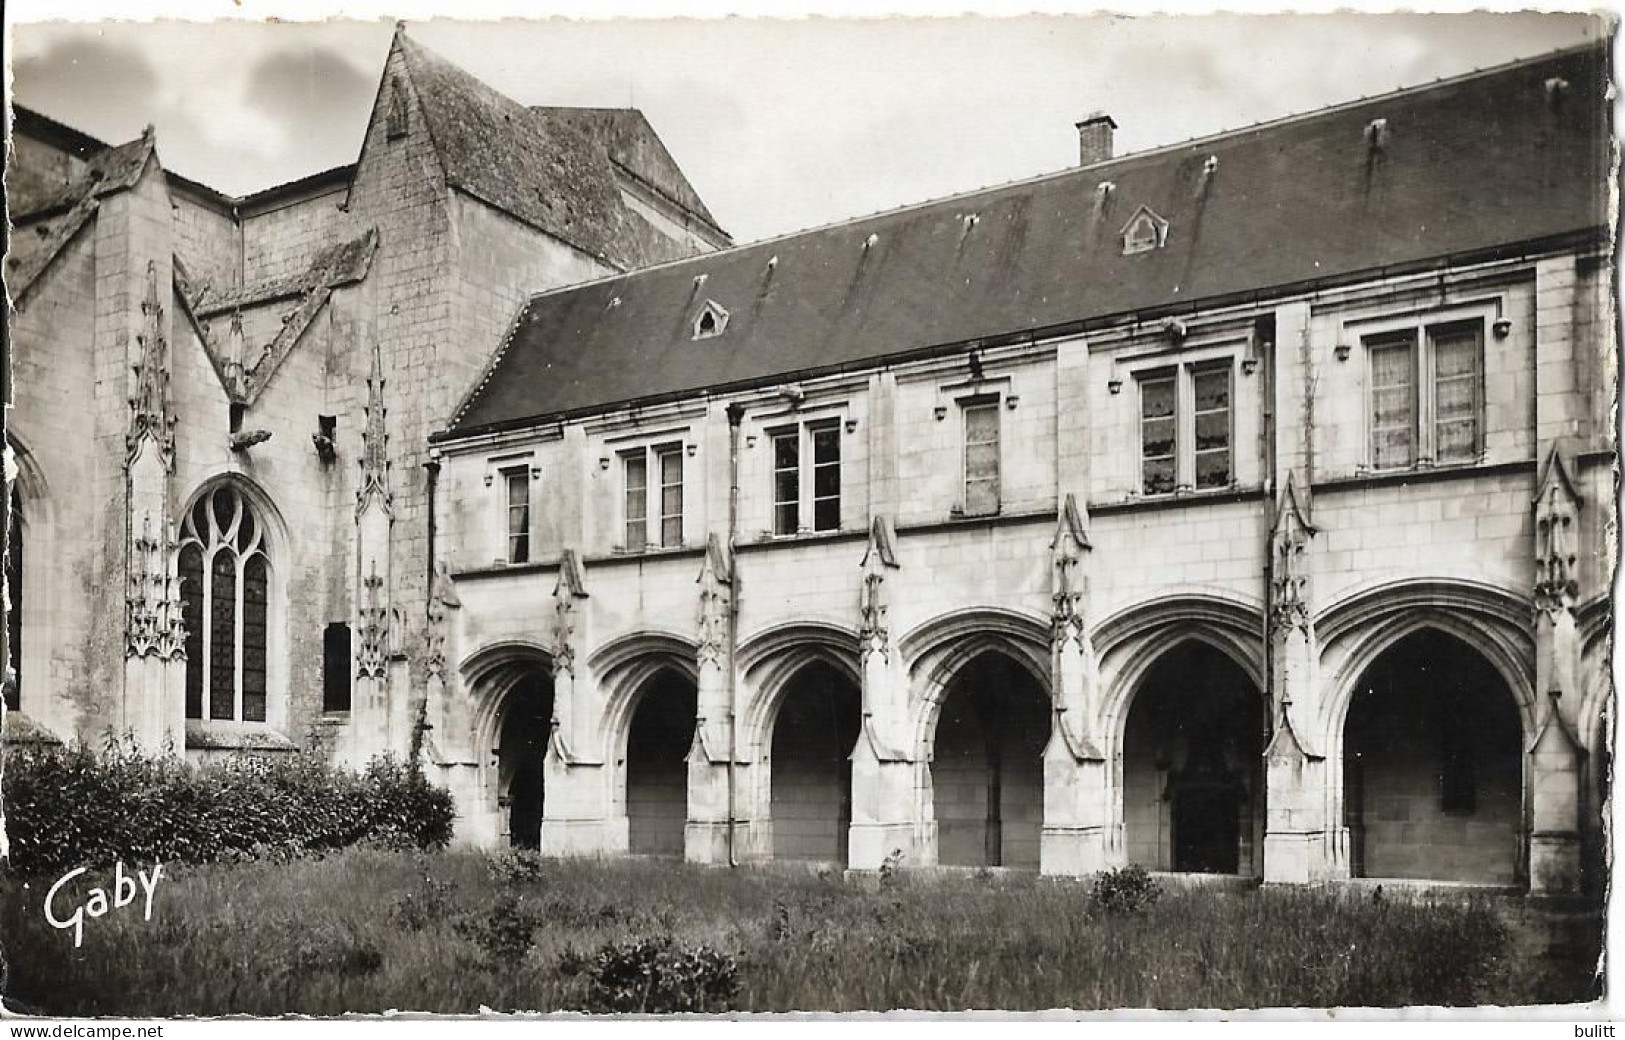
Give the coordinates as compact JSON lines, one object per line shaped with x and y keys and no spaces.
{"x":651,"y":516}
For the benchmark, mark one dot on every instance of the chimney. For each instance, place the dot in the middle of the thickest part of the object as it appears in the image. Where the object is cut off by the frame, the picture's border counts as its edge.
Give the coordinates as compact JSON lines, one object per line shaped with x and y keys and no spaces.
{"x":1095,"y":138}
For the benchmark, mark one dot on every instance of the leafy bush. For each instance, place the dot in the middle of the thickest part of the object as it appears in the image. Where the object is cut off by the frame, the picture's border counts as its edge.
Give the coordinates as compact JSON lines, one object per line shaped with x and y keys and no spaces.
{"x":655,"y":976}
{"x":505,"y":932}
{"x":1126,"y":890}
{"x":70,"y":807}
{"x":516,"y":867}
{"x":415,"y":910}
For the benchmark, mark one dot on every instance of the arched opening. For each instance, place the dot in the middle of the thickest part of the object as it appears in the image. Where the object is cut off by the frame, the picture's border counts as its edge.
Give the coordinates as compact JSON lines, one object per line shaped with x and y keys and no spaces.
{"x":810,"y":795}
{"x":657,"y":746}
{"x":987,"y":768}
{"x":1192,"y":766}
{"x":1433,"y":766}
{"x":225,"y":604}
{"x":522,"y":732}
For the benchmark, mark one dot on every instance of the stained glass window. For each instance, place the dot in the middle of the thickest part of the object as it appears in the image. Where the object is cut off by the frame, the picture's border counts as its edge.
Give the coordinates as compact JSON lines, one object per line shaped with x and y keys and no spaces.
{"x":225,"y":604}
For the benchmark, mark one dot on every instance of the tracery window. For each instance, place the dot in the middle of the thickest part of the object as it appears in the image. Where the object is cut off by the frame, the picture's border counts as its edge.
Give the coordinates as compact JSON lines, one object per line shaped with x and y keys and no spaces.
{"x":225,"y":586}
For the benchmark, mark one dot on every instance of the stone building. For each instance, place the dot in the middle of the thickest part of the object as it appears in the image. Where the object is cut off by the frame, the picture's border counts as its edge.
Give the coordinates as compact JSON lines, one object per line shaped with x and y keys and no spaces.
{"x":220,"y":406}
{"x":1238,"y":507}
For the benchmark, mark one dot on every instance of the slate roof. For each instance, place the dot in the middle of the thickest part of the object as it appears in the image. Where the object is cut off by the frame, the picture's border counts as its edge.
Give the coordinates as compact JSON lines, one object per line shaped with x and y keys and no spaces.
{"x":625,"y":134}
{"x":55,"y":217}
{"x":544,"y":170}
{"x":1477,"y":165}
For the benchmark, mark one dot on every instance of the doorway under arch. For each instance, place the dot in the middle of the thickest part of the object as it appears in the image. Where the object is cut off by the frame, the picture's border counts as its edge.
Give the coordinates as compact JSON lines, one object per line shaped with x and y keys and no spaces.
{"x":987,"y":768}
{"x":657,"y":745}
{"x":1192,"y":766}
{"x":522,"y":732}
{"x":810,"y":785}
{"x":1433,"y":766}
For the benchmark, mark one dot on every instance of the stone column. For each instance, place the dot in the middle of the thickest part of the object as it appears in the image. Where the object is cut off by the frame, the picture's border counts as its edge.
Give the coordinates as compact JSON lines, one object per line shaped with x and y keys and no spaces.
{"x":575,"y":794}
{"x":712,"y":808}
{"x":886,"y":819}
{"x":1073,"y":840}
{"x":1295,"y":845}
{"x":154,"y":710}
{"x":1555,"y":757}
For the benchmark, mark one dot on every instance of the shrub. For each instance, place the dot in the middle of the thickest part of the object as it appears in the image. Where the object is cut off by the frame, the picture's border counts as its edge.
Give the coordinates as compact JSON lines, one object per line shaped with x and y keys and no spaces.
{"x":415,"y":911}
{"x":656,"y":976}
{"x":505,"y":932}
{"x":1126,"y":890}
{"x":70,"y":807}
{"x":515,"y":867}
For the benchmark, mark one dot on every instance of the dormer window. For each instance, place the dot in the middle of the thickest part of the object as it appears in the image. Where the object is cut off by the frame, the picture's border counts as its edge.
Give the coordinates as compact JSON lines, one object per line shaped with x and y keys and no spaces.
{"x":1144,"y":232}
{"x":711,"y":320}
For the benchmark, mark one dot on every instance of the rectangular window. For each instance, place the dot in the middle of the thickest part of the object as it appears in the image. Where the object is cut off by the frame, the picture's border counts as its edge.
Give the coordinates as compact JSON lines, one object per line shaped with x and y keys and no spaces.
{"x":518,"y":484}
{"x":1187,"y":435}
{"x":671,"y":495}
{"x":1211,"y":393}
{"x":807,"y":478}
{"x":1426,"y":401}
{"x":1158,"y":436}
{"x":652,"y":497}
{"x":1393,"y":401}
{"x":1456,"y":353}
{"x":786,"y":482}
{"x":826,"y":454}
{"x":981,"y":458}
{"x":636,"y":467}
{"x":336,"y":667}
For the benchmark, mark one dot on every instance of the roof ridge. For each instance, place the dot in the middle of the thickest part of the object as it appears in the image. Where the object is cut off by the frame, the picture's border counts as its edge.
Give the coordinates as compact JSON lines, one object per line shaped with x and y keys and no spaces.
{"x":1041,"y":178}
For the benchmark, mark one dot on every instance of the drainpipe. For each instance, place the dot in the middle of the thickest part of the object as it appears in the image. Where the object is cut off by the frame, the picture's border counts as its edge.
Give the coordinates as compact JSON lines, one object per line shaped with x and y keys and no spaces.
{"x":431,"y":469}
{"x":736,"y":413}
{"x":1272,"y":489}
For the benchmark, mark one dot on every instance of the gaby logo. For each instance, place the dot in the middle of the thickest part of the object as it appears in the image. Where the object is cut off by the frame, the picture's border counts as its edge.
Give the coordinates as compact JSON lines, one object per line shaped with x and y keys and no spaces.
{"x":96,"y":904}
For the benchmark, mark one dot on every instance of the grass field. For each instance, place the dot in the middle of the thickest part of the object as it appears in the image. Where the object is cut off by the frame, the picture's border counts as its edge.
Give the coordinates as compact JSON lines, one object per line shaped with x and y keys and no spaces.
{"x":453,"y":932}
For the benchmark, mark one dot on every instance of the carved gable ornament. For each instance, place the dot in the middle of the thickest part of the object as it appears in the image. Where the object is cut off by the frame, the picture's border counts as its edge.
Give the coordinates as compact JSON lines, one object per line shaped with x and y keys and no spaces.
{"x":1066,"y":552}
{"x":1557,"y":521}
{"x":878,"y":557}
{"x":716,"y":574}
{"x":1144,"y":232}
{"x":569,"y":588}
{"x":1289,"y":595}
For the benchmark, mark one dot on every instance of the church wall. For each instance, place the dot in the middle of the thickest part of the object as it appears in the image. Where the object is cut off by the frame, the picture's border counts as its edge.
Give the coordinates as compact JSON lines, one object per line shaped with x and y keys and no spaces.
{"x":287,"y":469}
{"x":280,"y":241}
{"x":53,"y":339}
{"x":208,"y":241}
{"x":37,"y":168}
{"x":399,"y":188}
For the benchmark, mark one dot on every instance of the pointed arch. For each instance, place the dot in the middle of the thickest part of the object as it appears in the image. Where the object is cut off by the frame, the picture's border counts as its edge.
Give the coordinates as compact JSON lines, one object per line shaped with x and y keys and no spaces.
{"x":231,"y":553}
{"x":769,"y":660}
{"x":32,"y":531}
{"x":510,"y":683}
{"x":1132,"y":639}
{"x":1356,"y":628}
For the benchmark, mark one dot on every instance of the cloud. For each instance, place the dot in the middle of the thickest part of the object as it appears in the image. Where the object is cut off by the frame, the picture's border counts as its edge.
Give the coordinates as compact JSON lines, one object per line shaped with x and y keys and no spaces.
{"x":309,"y":87}
{"x":89,"y":83}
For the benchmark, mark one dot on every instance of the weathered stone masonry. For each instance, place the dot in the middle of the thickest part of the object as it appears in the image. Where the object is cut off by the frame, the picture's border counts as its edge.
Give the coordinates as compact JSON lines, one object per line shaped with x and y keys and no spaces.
{"x":1244,"y":507}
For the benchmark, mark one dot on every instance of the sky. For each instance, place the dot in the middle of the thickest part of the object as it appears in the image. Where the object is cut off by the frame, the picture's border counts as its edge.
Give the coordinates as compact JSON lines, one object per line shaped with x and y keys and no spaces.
{"x":779,"y":124}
